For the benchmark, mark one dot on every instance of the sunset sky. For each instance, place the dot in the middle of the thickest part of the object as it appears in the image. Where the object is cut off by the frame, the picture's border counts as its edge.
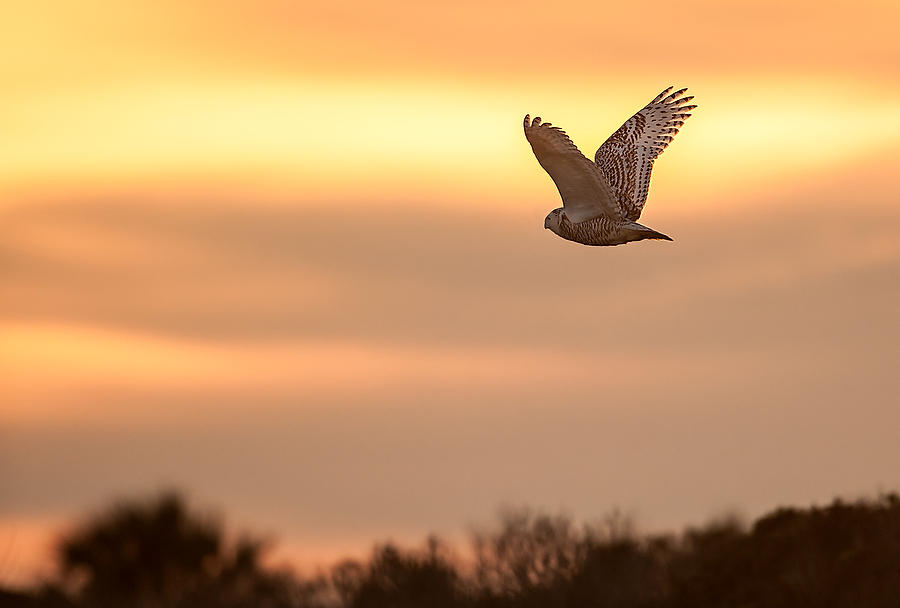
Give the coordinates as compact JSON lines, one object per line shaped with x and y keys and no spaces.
{"x":290,"y":258}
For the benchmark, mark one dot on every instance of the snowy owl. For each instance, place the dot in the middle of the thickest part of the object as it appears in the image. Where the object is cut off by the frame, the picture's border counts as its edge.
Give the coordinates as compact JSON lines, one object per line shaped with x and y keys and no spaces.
{"x":603,"y":199}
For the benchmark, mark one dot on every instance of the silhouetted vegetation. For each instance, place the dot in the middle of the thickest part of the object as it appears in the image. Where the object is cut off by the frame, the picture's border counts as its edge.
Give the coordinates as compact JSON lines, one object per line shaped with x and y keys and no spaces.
{"x":159,"y":554}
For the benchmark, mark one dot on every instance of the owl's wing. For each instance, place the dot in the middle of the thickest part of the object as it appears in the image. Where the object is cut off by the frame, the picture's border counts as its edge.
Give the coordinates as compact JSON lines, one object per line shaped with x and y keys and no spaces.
{"x":626,"y":158}
{"x":584,"y":191}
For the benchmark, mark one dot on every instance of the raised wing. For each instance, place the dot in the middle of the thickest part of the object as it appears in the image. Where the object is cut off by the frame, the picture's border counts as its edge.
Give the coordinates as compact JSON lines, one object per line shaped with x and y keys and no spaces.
{"x":626,"y":158}
{"x":584,"y":191}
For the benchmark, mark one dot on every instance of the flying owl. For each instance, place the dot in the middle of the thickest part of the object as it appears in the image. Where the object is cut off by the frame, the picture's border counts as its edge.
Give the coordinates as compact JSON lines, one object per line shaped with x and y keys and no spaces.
{"x":603,"y":199}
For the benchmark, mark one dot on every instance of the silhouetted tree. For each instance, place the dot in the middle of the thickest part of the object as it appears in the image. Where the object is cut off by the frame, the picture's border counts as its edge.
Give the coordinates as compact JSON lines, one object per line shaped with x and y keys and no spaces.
{"x":530,"y":561}
{"x":158,"y":554}
{"x":347,"y":578}
{"x":840,"y":555}
{"x":402,"y":579}
{"x":622,"y":573}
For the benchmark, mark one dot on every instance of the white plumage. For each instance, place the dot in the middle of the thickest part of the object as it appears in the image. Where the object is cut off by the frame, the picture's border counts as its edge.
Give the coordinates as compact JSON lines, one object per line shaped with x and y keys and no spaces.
{"x":603,"y":199}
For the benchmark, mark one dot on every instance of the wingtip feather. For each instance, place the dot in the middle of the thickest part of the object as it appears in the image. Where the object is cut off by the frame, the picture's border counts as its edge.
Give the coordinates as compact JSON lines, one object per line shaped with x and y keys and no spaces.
{"x":662,"y":94}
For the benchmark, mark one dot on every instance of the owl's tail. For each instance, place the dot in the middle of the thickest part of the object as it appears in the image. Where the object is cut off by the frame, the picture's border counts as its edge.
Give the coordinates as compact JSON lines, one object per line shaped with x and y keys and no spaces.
{"x":639,"y":232}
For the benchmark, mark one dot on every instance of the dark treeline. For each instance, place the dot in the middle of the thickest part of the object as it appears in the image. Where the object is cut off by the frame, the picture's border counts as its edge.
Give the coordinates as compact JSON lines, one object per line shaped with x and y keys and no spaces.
{"x":161,"y":554}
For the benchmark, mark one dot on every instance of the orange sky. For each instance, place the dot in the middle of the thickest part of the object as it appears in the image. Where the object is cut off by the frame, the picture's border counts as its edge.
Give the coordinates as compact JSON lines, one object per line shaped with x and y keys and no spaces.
{"x":244,"y":243}
{"x":289,"y":98}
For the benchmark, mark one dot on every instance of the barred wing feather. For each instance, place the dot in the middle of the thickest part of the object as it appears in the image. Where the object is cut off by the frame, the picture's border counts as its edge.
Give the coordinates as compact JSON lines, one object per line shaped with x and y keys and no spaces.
{"x":583,"y":188}
{"x":626,"y":158}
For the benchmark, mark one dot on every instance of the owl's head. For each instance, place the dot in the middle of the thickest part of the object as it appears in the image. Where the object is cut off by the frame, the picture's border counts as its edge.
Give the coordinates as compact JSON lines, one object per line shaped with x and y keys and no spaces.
{"x":553,"y":219}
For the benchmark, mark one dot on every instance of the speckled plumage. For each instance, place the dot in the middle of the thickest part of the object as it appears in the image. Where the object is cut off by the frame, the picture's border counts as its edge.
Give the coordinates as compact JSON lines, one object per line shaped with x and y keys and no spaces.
{"x":595,"y":231}
{"x":603,"y":199}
